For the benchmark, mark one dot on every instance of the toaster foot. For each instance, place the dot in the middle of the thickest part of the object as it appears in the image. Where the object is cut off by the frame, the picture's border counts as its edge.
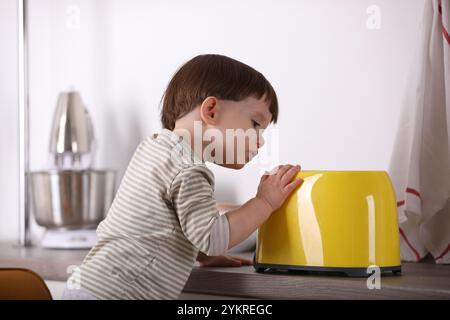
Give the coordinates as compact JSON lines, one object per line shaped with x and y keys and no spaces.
{"x":260,"y":269}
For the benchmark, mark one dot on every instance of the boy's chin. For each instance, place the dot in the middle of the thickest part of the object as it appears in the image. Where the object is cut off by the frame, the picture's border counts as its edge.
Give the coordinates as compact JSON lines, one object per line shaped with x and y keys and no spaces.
{"x":232,"y":165}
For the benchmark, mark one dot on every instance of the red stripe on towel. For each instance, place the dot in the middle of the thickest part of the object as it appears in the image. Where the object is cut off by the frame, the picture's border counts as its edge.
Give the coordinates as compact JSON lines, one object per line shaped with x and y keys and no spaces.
{"x":444,"y":253}
{"x":446,"y":35}
{"x":413,"y":191}
{"x":410,"y":245}
{"x":444,"y":31}
{"x":409,"y":190}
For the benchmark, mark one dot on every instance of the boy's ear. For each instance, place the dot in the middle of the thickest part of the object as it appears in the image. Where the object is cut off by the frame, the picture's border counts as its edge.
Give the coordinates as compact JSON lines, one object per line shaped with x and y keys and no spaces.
{"x":209,"y":111}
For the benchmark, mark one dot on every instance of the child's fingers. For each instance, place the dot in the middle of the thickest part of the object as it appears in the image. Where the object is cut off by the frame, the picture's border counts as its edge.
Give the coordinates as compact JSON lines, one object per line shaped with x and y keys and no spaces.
{"x":244,"y":261}
{"x":231,"y":262}
{"x":282,"y":170}
{"x":274,"y":171}
{"x":287,"y":177}
{"x":293,"y":185}
{"x":220,"y":261}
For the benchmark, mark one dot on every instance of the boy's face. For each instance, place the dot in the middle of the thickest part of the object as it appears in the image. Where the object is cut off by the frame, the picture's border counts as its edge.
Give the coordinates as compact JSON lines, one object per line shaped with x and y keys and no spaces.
{"x":240,"y":123}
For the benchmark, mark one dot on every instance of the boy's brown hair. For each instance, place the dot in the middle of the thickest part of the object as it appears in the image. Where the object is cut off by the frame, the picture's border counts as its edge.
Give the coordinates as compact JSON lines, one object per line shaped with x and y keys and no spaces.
{"x":213,"y":75}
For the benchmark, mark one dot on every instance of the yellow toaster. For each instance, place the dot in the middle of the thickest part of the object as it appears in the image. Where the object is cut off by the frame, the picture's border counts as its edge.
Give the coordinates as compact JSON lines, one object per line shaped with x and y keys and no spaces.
{"x":336,"y":221}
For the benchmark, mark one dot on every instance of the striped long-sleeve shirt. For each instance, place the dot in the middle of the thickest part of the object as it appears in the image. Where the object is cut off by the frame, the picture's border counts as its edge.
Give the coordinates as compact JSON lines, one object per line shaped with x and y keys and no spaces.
{"x":163,"y":214}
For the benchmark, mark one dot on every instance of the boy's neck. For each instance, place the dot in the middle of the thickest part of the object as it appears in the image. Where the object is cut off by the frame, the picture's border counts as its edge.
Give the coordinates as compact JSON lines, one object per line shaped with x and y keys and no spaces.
{"x":192,"y":135}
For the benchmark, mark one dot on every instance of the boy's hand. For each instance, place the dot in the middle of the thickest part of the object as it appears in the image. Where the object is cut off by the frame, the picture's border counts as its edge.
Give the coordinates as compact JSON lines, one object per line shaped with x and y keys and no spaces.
{"x":222,"y":261}
{"x":277,"y":185}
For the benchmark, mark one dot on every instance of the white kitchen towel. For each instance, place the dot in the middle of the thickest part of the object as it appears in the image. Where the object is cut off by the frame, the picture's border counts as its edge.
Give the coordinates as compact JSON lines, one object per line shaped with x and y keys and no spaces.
{"x":420,"y":163}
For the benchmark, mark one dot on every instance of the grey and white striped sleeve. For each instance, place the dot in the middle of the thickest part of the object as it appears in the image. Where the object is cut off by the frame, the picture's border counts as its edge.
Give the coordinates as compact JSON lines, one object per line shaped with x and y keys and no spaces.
{"x":192,"y":195}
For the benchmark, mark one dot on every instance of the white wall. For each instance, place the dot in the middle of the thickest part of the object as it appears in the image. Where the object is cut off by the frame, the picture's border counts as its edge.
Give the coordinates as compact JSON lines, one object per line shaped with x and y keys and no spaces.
{"x":9,"y":135}
{"x":339,"y":84}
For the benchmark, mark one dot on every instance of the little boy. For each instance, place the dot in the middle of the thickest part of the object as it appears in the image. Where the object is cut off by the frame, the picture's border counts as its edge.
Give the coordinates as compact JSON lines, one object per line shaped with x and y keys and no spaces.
{"x":164,"y":216}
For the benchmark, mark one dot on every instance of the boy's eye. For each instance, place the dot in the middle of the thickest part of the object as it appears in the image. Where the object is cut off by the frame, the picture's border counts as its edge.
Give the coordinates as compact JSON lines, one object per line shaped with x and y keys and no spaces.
{"x":255,"y":124}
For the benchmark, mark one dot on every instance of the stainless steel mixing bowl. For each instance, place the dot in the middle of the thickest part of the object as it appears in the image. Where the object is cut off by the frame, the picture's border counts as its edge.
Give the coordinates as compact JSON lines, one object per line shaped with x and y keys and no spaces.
{"x":71,"y":198}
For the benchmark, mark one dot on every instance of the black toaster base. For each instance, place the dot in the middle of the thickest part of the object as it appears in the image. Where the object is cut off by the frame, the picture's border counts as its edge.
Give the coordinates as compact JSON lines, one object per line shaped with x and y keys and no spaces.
{"x":350,"y":272}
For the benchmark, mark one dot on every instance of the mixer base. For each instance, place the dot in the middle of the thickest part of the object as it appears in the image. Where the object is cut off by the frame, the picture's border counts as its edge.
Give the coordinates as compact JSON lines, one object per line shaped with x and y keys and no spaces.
{"x":69,"y":239}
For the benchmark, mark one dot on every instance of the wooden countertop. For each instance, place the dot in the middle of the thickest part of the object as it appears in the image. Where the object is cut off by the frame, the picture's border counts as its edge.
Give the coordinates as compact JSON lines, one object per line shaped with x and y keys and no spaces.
{"x":424,"y":280}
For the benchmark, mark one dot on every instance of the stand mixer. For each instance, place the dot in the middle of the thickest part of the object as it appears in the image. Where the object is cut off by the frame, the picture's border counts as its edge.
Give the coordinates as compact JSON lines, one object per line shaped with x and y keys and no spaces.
{"x":71,"y":198}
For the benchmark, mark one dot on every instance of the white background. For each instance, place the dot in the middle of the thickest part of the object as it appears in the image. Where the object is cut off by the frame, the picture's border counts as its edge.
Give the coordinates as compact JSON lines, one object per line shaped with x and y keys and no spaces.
{"x":339,"y":83}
